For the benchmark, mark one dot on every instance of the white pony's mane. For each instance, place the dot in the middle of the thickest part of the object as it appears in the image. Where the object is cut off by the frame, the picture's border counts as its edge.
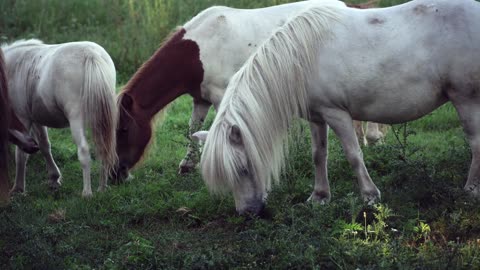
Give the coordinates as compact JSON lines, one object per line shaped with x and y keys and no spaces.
{"x":263,"y":98}
{"x":21,"y":43}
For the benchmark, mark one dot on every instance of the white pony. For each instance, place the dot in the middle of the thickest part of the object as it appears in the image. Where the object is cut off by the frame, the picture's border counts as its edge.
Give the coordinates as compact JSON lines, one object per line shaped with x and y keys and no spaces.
{"x":333,"y":64}
{"x":61,"y":85}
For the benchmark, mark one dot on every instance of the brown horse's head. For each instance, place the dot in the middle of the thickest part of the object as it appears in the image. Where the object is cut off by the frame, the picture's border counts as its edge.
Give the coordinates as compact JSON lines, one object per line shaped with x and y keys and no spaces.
{"x":133,"y":136}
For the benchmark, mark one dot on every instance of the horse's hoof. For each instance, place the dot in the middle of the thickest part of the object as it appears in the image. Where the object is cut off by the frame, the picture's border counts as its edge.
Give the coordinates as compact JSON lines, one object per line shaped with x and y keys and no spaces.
{"x":102,"y":188}
{"x":186,"y":166}
{"x":371,"y":197}
{"x":253,"y":210}
{"x":55,"y":185}
{"x":473,"y":190}
{"x":321,"y":197}
{"x":87,"y":194}
{"x":17,"y":190}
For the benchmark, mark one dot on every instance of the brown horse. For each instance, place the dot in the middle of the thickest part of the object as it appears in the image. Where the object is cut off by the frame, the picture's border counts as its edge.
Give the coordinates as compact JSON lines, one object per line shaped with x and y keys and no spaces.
{"x":198,"y":59}
{"x":11,"y":129}
{"x":4,"y":121}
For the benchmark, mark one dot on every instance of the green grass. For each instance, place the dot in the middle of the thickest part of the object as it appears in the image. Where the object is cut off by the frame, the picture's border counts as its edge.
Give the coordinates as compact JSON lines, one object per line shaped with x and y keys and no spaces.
{"x":163,"y":220}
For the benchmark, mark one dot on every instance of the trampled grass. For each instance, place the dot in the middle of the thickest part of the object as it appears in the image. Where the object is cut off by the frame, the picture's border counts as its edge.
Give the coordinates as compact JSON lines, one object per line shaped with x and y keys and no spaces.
{"x":163,"y":220}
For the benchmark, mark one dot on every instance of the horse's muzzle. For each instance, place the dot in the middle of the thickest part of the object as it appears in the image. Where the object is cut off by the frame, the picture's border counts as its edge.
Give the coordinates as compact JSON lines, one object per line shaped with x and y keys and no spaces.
{"x":26,"y":143}
{"x":119,"y":174}
{"x":256,"y":209}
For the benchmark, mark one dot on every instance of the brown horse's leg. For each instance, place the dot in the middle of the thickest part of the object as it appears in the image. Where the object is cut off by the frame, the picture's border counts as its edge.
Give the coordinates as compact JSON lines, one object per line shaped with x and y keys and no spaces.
{"x":4,"y":187}
{"x":358,"y":125}
{"x":200,"y":111}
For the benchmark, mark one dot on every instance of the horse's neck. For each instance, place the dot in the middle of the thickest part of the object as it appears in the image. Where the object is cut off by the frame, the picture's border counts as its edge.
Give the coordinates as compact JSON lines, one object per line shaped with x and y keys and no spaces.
{"x":175,"y":69}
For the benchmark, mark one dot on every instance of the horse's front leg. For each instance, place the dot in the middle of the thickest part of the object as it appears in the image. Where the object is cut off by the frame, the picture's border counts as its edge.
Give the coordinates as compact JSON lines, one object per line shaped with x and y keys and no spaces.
{"x":54,"y":175}
{"x":200,"y":111}
{"x":21,"y":159}
{"x":321,"y":191}
{"x":469,"y":114}
{"x":78,"y":133}
{"x":342,"y":124}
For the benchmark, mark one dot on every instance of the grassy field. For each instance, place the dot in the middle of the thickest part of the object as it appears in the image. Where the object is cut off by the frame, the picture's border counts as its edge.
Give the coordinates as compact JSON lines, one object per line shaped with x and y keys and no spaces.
{"x":163,"y":220}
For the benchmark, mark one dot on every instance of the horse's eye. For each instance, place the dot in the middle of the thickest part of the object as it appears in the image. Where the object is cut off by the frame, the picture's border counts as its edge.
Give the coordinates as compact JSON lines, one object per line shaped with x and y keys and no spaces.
{"x":123,"y":129}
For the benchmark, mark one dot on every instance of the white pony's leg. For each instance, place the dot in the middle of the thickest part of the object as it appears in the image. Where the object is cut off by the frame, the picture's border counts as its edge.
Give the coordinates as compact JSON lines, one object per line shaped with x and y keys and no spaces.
{"x":342,"y":124}
{"x":21,"y":159}
{"x":54,"y":175}
{"x":78,"y":134}
{"x":360,"y":132}
{"x":469,"y":114}
{"x":200,"y":111}
{"x":321,"y":192}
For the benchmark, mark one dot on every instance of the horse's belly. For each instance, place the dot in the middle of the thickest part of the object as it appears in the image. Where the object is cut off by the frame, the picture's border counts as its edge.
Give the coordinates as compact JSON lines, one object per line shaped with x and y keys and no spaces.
{"x":397,"y":110}
{"x":49,"y":116}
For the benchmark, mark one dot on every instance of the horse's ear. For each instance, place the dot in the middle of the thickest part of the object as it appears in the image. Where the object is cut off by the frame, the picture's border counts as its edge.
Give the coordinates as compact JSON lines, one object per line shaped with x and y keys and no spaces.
{"x":235,"y":135}
{"x":200,"y":136}
{"x":127,"y":102}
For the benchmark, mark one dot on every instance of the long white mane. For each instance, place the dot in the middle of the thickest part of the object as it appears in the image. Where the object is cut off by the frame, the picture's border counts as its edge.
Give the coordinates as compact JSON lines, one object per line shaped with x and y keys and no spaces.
{"x":264,"y":97}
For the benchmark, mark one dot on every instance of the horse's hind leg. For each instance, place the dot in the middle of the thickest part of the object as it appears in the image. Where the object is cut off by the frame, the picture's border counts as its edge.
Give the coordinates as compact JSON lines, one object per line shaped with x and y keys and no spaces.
{"x":54,"y":175}
{"x":321,"y":192}
{"x":21,"y":159}
{"x":200,"y":111}
{"x":83,"y":153}
{"x":469,"y":114}
{"x":342,"y":124}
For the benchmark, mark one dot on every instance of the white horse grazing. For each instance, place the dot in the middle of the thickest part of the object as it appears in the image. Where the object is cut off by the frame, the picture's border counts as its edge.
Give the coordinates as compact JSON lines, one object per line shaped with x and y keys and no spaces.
{"x":331,"y":65}
{"x":61,"y":85}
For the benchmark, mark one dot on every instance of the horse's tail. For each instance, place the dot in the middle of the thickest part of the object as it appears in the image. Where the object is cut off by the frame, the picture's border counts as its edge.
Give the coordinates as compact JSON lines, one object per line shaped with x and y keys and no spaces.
{"x":4,"y":122}
{"x":99,"y":106}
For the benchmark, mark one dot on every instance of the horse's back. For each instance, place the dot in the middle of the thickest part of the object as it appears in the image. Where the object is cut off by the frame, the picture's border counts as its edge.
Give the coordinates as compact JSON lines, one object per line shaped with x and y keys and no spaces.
{"x":413,"y":52}
{"x":228,"y":26}
{"x":228,"y":36}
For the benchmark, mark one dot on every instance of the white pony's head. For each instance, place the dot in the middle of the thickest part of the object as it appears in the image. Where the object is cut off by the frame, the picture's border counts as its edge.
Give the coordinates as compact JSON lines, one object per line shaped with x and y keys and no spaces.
{"x":228,"y":166}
